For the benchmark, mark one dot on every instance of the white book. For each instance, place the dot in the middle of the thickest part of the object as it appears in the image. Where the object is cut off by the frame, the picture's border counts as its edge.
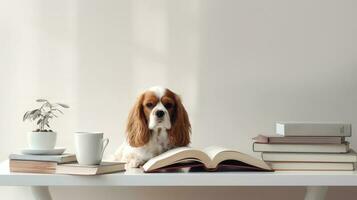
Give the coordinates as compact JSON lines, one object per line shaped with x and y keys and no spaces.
{"x":64,"y":158}
{"x":351,"y":156}
{"x":103,"y":168}
{"x":304,"y":148}
{"x":301,"y":166}
{"x":313,"y":129}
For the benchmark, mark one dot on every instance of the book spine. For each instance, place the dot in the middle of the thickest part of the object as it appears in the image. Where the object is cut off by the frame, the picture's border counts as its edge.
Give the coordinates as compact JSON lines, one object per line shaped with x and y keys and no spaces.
{"x":313,"y":129}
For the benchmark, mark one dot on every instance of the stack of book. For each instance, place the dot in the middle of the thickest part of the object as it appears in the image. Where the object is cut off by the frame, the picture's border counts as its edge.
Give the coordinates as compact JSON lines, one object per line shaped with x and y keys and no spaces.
{"x":308,"y":146}
{"x":59,"y":164}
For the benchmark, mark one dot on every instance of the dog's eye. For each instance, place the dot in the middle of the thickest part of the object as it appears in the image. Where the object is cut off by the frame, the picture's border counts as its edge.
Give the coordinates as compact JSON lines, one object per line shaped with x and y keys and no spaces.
{"x":149,"y":105}
{"x":168,"y":105}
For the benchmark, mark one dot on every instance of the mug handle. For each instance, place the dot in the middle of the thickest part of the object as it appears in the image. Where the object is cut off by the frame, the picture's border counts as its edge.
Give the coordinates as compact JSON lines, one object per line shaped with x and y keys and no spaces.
{"x":105,"y":142}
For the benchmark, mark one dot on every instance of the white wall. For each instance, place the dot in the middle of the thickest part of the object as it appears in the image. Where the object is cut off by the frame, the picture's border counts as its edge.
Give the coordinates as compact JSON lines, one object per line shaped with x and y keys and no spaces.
{"x":238,"y":65}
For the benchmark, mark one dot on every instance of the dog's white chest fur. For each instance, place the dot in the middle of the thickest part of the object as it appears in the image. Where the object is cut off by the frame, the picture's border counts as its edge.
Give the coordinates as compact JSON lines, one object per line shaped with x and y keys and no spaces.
{"x":159,"y":141}
{"x":136,"y":156}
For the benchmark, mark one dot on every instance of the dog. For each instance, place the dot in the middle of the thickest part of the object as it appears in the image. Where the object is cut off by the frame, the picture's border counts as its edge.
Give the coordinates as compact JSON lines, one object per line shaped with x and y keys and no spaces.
{"x":157,"y":122}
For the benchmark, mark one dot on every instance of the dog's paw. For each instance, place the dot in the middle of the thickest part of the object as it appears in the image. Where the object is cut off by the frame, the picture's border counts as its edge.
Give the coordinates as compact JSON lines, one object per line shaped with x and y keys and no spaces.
{"x":134,"y":163}
{"x":134,"y":160}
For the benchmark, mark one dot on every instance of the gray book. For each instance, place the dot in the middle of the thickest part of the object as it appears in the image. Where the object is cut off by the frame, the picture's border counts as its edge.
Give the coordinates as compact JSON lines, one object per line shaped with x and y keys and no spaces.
{"x":278,"y":139}
{"x":64,"y":158}
{"x":350,"y":157}
{"x":313,"y":129}
{"x":305,"y":148}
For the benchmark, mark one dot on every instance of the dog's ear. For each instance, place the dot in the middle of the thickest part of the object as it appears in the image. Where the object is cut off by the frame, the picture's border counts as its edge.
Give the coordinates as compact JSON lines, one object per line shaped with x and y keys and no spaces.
{"x":180,"y":125}
{"x":138,"y":133}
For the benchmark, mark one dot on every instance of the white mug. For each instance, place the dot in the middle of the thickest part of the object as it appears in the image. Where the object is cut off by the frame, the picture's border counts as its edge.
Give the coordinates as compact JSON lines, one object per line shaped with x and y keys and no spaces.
{"x":90,"y":147}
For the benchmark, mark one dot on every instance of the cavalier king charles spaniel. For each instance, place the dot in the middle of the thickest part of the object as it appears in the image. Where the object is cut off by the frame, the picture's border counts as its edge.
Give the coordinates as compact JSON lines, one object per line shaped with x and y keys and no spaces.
{"x":157,"y":122}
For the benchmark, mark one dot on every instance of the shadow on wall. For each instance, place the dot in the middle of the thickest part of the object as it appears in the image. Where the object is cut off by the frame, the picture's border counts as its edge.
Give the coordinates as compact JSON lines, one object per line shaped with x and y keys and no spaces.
{"x":128,"y":46}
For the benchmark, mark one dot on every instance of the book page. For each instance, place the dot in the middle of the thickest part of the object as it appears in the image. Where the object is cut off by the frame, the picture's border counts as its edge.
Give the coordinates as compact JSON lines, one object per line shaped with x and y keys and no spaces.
{"x":213,"y":151}
{"x":180,"y":154}
{"x":220,"y":154}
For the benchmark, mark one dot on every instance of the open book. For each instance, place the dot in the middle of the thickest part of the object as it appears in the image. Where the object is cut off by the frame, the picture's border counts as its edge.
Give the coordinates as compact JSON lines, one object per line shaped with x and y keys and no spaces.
{"x":209,"y":159}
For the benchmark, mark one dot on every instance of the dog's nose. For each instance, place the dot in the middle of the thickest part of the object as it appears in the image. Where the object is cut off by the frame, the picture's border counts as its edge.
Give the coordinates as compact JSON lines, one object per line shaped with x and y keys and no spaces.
{"x":159,"y":113}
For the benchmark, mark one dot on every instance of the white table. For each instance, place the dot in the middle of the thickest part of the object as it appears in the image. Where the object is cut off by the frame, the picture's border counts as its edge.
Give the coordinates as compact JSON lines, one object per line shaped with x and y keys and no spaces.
{"x":316,"y":182}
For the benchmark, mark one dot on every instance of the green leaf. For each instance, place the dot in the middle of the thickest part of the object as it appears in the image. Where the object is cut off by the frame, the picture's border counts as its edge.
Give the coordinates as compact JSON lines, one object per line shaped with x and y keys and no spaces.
{"x":58,"y":110}
{"x":41,"y":100}
{"x":63,"y":105}
{"x":25,"y":116}
{"x":39,"y":121}
{"x":36,"y":114}
{"x":33,"y":111}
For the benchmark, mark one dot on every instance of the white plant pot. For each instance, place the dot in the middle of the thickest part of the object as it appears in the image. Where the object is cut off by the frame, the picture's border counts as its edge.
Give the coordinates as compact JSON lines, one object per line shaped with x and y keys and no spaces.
{"x":41,"y":140}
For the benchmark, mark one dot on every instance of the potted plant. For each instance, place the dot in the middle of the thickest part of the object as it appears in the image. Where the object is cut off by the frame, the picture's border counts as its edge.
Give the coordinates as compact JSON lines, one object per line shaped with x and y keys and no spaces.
{"x":43,"y":138}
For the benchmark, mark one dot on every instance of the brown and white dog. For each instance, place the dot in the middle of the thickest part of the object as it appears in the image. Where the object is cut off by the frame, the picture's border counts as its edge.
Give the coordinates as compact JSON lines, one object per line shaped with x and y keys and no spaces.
{"x":157,"y":122}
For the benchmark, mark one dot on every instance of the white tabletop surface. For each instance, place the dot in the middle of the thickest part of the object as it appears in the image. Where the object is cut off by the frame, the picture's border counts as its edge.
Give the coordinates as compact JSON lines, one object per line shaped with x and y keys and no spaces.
{"x":136,"y":177}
